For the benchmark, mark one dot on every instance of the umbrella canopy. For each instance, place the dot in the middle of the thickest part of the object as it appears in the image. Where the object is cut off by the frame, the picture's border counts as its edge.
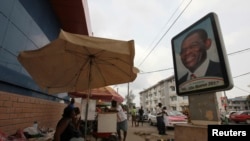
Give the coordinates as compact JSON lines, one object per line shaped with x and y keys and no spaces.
{"x":75,"y":62}
{"x":104,"y":93}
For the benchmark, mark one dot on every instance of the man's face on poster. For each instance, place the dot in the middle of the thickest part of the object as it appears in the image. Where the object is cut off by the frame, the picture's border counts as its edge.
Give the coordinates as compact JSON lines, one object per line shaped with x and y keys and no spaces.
{"x":193,"y":51}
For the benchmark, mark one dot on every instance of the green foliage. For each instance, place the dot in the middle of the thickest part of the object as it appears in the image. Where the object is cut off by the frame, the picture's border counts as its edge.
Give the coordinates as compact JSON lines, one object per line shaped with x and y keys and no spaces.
{"x":129,"y":99}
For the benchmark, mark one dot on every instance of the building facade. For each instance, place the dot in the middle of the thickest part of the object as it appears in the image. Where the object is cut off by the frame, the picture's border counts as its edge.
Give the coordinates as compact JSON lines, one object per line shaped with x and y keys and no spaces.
{"x":165,"y":92}
{"x":238,"y":103}
{"x":29,"y":25}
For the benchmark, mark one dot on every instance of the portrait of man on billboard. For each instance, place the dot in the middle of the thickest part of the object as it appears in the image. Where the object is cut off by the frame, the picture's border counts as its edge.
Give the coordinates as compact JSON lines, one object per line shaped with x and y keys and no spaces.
{"x":194,"y":56}
{"x":200,"y":61}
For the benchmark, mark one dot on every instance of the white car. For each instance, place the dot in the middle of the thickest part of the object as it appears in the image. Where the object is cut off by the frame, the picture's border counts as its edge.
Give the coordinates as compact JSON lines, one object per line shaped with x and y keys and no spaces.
{"x":152,"y":118}
{"x":170,"y":118}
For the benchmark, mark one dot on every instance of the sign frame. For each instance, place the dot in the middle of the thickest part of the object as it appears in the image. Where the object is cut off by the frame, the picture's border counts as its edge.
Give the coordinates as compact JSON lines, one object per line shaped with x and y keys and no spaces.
{"x":202,"y":84}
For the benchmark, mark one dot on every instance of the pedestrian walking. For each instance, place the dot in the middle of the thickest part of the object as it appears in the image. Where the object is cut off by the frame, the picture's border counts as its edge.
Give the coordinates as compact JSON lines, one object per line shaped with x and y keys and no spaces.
{"x":160,"y":121}
{"x":140,"y":119}
{"x":122,"y":123}
{"x":133,"y":114}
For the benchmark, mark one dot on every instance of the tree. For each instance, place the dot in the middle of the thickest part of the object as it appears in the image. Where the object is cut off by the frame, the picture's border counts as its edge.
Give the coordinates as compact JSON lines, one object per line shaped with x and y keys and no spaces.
{"x":129,"y":99}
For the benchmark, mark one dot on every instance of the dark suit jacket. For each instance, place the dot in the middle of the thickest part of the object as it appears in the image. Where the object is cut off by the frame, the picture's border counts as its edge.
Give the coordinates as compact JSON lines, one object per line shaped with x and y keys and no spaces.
{"x":214,"y":69}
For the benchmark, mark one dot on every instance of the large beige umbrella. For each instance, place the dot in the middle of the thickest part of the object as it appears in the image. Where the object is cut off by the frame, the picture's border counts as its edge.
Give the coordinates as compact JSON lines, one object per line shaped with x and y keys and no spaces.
{"x":75,"y":63}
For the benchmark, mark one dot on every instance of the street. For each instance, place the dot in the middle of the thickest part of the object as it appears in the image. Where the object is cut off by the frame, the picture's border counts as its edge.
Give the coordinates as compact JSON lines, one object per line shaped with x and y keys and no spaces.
{"x":146,"y":131}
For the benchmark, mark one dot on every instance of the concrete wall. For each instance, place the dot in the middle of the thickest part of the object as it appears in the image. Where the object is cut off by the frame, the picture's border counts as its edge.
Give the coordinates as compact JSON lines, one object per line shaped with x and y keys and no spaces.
{"x":188,"y":132}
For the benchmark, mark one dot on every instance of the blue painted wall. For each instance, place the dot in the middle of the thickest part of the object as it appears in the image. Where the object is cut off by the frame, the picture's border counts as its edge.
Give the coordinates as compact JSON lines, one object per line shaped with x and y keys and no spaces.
{"x":24,"y":25}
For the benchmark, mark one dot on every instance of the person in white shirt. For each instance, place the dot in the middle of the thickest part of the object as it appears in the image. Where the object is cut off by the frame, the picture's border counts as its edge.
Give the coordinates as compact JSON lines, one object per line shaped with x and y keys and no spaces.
{"x":160,"y":121}
{"x":122,"y":123}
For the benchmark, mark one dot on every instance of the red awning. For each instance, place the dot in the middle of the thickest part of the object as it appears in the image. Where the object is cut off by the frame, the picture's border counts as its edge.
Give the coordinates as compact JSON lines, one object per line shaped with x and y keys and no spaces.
{"x":103,"y":93}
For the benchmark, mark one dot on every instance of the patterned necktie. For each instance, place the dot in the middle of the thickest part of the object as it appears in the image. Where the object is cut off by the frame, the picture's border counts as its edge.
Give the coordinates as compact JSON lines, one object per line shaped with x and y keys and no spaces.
{"x":192,"y":76}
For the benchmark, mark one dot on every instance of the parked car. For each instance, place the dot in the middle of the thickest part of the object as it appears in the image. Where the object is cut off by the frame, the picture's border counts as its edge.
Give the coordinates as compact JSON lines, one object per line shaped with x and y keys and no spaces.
{"x":173,"y":117}
{"x":152,"y":118}
{"x":240,"y":116}
{"x":229,"y":113}
{"x":145,"y":116}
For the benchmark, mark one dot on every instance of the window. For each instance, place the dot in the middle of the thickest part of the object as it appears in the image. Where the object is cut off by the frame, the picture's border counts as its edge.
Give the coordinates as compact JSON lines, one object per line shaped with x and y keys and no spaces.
{"x":173,"y":108}
{"x":174,"y":98}
{"x":185,"y":97}
{"x":172,"y":88}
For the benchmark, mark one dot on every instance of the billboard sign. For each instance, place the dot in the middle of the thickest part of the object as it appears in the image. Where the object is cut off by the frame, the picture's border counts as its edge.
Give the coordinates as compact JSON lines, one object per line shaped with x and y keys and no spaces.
{"x":200,"y":59}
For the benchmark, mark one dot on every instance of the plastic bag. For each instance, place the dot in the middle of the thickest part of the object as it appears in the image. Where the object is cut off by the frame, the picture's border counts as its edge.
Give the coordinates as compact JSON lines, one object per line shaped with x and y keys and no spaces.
{"x":18,"y":136}
{"x":3,"y":136}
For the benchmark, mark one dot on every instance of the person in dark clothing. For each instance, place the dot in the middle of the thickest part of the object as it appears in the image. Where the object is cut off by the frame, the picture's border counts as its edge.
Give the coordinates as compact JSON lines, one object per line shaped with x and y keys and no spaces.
{"x":67,"y":127}
{"x":140,"y":119}
{"x":72,"y":102}
{"x":160,"y":121}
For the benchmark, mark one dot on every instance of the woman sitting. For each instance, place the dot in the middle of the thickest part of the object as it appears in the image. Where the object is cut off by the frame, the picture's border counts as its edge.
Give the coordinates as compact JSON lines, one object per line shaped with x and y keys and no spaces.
{"x":68,"y":126}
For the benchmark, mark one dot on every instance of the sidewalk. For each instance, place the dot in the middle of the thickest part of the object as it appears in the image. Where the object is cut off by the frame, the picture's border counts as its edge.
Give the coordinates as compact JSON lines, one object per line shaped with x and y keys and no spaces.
{"x":142,"y":133}
{"x":145,"y":133}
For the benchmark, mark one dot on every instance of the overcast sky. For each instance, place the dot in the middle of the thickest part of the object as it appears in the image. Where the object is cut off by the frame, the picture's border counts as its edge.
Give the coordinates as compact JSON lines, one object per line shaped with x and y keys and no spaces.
{"x":153,"y":23}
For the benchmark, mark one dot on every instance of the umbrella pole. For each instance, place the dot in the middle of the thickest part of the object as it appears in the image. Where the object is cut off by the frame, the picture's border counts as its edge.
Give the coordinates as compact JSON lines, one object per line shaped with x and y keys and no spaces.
{"x":86,"y":115}
{"x":87,"y":103}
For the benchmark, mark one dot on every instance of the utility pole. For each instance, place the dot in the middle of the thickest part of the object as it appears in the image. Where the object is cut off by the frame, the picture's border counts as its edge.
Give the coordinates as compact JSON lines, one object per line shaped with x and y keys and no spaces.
{"x":128,"y":102}
{"x":225,"y":102}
